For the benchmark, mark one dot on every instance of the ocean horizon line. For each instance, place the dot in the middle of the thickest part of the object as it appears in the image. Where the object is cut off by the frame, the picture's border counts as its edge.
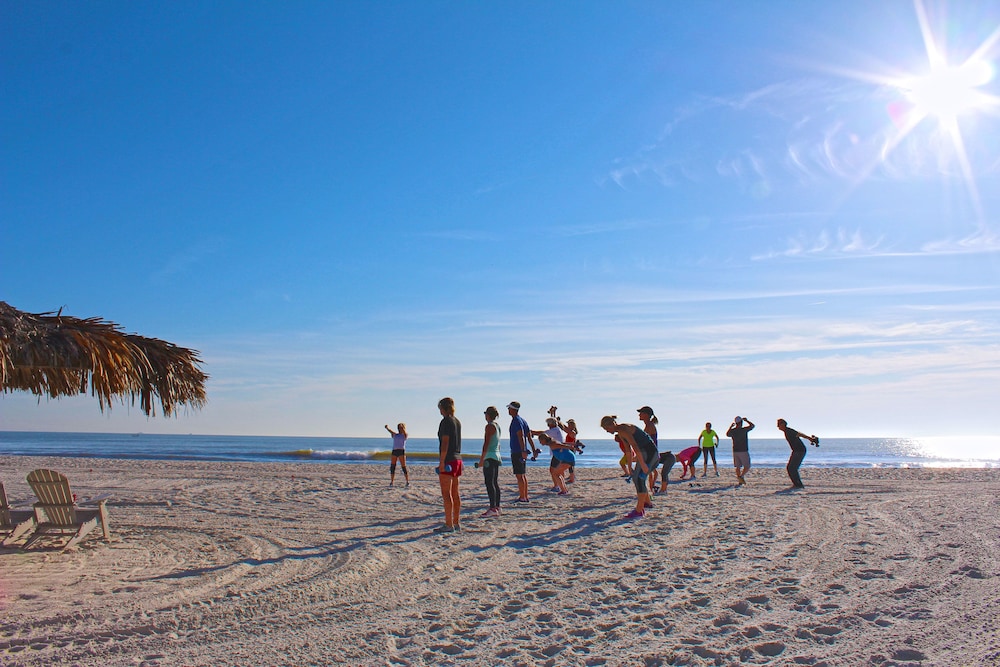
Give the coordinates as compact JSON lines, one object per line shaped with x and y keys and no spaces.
{"x":598,"y":453}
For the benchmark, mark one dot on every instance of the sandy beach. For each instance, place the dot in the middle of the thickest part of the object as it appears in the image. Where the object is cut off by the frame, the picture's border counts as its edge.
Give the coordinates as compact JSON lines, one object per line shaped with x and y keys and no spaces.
{"x":313,"y":564}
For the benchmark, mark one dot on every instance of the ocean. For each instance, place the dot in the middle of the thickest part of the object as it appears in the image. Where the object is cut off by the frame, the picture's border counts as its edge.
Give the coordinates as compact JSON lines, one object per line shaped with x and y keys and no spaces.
{"x":954,"y":452}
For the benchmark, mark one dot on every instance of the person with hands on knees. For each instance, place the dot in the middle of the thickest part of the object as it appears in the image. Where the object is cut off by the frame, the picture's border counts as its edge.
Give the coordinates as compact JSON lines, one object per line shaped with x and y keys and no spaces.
{"x":645,"y":458}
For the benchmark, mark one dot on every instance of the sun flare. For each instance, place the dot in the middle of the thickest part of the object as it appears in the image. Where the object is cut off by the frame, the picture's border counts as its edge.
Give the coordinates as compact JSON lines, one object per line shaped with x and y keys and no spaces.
{"x":946,"y":93}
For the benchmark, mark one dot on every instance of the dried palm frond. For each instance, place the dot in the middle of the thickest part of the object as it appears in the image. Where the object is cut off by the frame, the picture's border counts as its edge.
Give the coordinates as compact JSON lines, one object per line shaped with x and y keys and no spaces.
{"x":51,"y":354}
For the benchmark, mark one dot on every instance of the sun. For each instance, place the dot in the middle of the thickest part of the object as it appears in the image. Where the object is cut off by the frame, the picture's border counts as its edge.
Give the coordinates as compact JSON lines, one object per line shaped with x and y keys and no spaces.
{"x":943,"y":95}
{"x":946,"y":92}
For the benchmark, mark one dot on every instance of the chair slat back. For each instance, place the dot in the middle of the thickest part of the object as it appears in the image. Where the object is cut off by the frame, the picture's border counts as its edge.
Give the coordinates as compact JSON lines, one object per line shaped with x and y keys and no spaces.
{"x":4,"y":507}
{"x":54,"y":496}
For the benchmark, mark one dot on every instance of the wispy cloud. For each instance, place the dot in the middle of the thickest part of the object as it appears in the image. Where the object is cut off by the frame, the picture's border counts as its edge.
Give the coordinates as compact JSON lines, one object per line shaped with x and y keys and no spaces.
{"x":187,"y":260}
{"x":984,"y":241}
{"x":844,"y":244}
{"x":841,"y":243}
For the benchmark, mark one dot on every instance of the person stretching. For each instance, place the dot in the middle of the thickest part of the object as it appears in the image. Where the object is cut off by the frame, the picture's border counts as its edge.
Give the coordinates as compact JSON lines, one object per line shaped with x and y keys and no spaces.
{"x":645,"y":458}
{"x":794,"y":440}
{"x":398,"y":452}
{"x":562,"y":456}
{"x":741,"y":447}
{"x":688,"y":457}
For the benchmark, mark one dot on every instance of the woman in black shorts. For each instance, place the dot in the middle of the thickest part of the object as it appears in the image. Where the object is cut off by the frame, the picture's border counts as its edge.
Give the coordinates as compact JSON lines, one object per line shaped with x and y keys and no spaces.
{"x":398,"y":452}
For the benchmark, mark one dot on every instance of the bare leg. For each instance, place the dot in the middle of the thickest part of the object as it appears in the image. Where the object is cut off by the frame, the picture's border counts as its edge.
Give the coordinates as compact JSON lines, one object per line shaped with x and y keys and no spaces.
{"x":522,"y":487}
{"x":447,"y":497}
{"x":456,"y":503}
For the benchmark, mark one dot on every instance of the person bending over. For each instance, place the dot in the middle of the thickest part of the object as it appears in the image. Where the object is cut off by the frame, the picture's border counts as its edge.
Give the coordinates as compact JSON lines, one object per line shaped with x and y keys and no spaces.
{"x":645,"y":458}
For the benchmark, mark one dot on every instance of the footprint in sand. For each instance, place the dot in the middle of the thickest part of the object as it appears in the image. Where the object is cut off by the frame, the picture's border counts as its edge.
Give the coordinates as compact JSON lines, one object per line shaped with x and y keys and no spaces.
{"x":742,"y":607}
{"x":723,"y":621}
{"x":970,"y":572}
{"x":908,"y":654}
{"x":869,"y":574}
{"x":770,"y":649}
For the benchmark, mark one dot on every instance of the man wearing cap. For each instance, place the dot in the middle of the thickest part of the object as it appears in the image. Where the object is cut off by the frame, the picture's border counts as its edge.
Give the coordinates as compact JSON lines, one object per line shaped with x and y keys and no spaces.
{"x":520,"y":439}
{"x":741,"y":447}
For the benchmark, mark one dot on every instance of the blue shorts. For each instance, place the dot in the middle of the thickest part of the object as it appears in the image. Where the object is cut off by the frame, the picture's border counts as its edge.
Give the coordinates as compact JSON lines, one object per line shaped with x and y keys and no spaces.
{"x":564,"y":456}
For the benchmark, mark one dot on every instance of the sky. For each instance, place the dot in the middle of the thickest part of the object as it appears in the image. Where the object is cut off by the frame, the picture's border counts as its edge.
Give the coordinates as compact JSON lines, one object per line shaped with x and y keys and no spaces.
{"x":352,"y":209}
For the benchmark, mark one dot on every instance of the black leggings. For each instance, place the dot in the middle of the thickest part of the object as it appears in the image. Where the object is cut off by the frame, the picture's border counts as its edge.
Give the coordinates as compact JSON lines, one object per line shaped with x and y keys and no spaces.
{"x":709,"y":451}
{"x":491,"y":473}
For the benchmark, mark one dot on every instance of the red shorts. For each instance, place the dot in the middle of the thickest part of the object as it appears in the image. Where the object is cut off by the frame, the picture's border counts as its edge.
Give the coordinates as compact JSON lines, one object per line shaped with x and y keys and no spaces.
{"x":456,"y":468}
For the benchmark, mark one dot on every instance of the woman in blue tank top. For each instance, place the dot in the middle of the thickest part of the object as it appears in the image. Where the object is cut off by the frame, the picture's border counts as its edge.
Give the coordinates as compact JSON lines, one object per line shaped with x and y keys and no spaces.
{"x":490,"y":461}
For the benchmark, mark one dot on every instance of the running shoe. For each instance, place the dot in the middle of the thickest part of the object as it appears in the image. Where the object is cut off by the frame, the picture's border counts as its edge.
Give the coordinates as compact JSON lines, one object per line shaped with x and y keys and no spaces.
{"x":444,"y":529}
{"x":648,"y":506}
{"x":488,"y":513}
{"x":635,"y":515}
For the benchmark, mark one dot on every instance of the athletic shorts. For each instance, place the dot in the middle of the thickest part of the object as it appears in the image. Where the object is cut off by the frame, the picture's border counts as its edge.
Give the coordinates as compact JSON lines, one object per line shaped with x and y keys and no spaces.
{"x":456,"y":468}
{"x":518,"y":464}
{"x":398,"y":452}
{"x":741,"y":459}
{"x":638,"y":479}
{"x":554,"y":463}
{"x":564,"y":456}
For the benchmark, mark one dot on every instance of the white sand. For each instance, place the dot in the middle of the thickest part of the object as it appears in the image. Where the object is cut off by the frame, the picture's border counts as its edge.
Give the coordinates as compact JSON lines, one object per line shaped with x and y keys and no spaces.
{"x":310,"y":564}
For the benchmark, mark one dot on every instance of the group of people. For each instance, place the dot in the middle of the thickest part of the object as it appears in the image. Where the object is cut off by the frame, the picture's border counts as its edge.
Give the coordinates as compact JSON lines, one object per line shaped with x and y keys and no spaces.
{"x":640,"y":461}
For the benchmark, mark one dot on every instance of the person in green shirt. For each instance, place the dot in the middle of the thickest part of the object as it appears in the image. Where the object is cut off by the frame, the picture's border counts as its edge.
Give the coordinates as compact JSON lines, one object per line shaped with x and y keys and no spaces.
{"x":707,"y":441}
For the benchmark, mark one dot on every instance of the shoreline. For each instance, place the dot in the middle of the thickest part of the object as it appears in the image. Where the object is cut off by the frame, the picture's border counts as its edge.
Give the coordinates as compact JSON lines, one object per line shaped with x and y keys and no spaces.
{"x":232,"y":563}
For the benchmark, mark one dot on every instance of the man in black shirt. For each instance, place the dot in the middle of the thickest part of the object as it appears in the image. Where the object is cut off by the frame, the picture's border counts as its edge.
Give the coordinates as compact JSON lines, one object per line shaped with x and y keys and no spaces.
{"x":794,"y":439}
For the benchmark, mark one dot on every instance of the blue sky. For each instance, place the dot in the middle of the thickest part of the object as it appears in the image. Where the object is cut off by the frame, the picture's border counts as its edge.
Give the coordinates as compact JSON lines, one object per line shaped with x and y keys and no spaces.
{"x":354,"y":209}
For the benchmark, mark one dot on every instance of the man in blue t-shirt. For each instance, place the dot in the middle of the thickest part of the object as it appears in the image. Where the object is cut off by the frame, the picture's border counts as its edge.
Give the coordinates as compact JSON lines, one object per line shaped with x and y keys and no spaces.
{"x":520,"y":442}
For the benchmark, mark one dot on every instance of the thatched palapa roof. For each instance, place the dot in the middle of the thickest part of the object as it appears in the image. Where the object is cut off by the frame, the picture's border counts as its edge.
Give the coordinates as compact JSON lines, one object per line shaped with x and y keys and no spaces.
{"x":54,"y":355}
